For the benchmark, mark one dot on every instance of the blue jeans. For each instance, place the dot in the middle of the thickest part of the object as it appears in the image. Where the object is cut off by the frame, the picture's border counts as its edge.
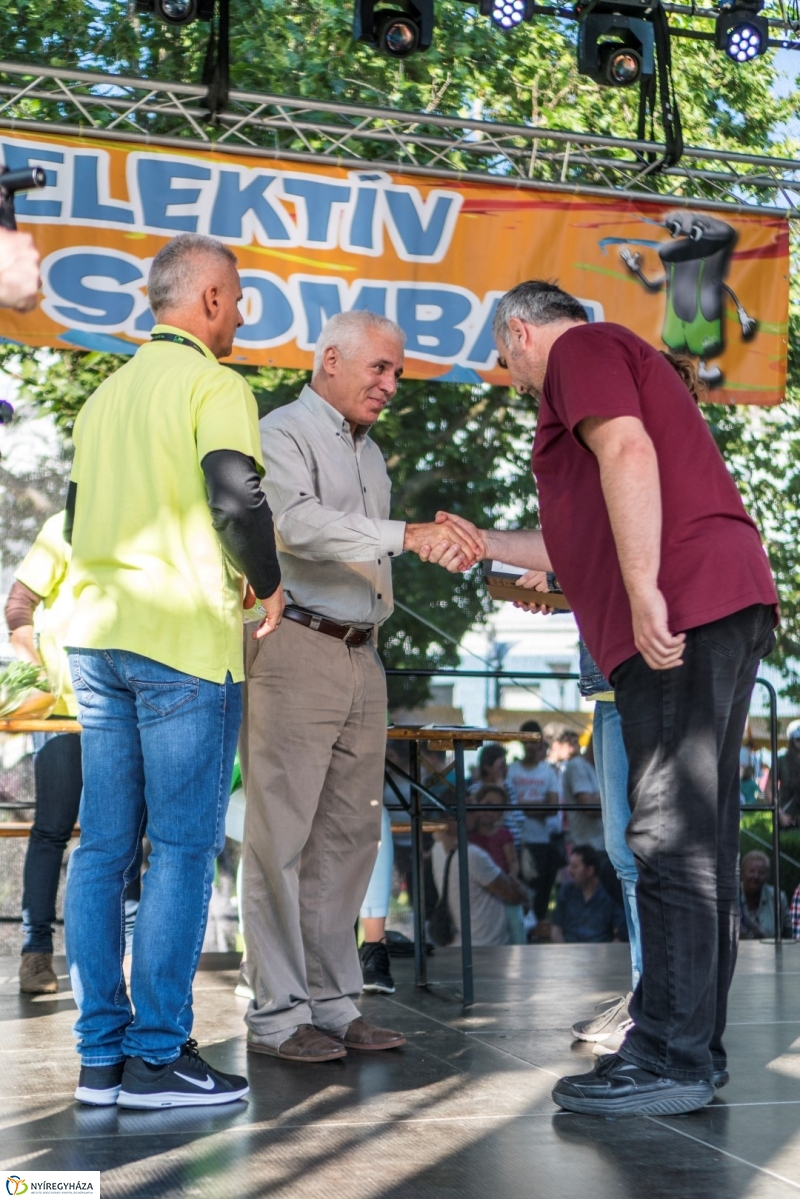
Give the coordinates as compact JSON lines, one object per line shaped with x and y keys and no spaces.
{"x":158,"y":750}
{"x":611,"y":762}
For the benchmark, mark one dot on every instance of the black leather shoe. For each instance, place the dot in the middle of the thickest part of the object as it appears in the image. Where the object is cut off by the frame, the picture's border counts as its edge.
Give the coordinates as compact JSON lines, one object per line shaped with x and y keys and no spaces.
{"x":618,"y":1088}
{"x":720,"y":1078}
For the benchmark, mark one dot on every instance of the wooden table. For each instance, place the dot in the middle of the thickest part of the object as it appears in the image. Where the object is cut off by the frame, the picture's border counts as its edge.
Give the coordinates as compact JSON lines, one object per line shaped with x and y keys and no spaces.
{"x":455,"y":739}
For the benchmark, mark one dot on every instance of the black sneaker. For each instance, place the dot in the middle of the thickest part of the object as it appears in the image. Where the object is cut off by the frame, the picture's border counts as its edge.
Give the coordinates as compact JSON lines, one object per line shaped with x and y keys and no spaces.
{"x":186,"y":1082}
{"x":619,"y":1088}
{"x":375,"y":968}
{"x":99,"y":1085}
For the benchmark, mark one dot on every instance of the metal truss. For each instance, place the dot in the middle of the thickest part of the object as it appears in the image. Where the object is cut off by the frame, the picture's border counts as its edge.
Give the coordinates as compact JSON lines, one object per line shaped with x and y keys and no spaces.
{"x":82,"y":103}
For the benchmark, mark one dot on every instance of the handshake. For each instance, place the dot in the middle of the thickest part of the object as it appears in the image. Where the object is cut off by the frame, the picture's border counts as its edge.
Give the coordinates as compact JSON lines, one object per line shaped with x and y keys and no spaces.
{"x":448,"y":541}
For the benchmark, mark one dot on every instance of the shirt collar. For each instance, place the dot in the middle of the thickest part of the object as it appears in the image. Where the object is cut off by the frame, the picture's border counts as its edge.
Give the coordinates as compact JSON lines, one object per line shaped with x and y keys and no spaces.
{"x":188,"y":336}
{"x":325,"y":411}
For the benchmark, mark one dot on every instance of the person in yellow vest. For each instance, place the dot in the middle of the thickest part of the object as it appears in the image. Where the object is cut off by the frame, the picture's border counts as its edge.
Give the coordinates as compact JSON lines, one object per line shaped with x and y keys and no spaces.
{"x":166,"y":519}
{"x":39,"y":587}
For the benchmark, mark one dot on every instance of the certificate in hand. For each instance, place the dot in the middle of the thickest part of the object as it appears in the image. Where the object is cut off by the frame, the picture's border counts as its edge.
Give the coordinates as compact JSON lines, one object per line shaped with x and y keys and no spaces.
{"x":501,"y":580}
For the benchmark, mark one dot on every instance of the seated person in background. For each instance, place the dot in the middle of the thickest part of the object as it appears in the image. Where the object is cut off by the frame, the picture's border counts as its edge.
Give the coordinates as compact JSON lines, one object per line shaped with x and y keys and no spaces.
{"x":490,"y":889}
{"x":584,"y":910}
{"x":489,"y":830}
{"x":757,"y":900}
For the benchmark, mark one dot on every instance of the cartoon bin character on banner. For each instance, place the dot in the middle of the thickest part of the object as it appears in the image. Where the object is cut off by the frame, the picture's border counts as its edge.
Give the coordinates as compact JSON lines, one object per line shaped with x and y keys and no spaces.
{"x":696,"y":263}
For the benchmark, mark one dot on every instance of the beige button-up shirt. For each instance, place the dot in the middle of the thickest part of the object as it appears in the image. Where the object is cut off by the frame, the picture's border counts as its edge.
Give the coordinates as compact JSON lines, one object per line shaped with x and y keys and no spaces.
{"x":329,"y":494}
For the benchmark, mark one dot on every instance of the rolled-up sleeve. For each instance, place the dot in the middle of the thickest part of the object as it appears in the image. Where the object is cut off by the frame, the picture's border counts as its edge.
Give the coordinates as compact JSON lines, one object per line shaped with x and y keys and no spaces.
{"x":305,"y":526}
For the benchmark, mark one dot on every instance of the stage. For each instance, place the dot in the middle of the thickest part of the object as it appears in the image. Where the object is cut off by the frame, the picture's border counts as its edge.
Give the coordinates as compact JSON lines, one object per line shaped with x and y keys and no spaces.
{"x":463,"y":1111}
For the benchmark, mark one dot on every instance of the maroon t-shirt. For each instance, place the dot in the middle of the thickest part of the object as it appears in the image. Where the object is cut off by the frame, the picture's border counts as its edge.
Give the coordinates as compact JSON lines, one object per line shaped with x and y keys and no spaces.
{"x":712,"y":560}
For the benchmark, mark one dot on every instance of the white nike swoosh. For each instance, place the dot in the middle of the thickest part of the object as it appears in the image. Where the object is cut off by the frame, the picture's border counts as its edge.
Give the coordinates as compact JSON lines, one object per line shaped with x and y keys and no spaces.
{"x":205,"y":1084}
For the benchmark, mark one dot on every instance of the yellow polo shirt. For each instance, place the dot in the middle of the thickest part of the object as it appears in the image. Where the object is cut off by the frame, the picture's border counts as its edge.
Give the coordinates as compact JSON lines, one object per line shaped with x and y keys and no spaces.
{"x":148,"y":571}
{"x":44,"y":570}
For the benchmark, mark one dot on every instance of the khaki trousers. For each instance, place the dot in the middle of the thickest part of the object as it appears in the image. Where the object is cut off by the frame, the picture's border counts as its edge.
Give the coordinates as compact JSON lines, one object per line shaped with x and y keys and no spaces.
{"x":312,"y":749}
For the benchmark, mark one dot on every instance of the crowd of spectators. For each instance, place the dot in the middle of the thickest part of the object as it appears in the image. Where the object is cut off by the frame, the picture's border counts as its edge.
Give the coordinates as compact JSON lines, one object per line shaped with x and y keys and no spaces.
{"x":540,"y":872}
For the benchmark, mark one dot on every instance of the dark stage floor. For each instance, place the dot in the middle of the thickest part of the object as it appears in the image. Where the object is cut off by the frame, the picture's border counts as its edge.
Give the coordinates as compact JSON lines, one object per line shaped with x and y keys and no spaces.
{"x":464,"y":1110}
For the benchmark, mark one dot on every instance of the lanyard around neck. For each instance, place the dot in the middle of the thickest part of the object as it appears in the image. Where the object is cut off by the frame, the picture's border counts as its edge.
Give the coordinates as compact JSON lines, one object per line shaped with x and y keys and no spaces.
{"x":181,"y":341}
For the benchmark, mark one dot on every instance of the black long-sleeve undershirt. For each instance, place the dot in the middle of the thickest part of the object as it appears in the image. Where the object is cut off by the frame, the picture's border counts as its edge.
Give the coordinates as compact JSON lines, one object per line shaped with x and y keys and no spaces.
{"x":242,"y":518}
{"x":240,"y":515}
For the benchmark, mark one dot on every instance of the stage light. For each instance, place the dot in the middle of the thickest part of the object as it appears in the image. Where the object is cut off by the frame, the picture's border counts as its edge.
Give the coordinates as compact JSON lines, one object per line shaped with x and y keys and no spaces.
{"x":621,"y":65}
{"x":175,"y":12}
{"x":396,"y":32}
{"x":616,"y":48}
{"x":741,"y":32}
{"x":507,"y":14}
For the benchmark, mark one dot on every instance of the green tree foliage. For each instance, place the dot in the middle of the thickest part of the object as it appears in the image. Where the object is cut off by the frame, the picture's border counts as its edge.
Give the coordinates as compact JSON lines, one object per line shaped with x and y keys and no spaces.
{"x":447,"y":445}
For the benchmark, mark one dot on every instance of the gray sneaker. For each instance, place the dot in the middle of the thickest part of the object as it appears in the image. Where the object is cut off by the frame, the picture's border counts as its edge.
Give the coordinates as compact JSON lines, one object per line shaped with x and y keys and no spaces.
{"x":600,"y":1027}
{"x":613,"y":1043}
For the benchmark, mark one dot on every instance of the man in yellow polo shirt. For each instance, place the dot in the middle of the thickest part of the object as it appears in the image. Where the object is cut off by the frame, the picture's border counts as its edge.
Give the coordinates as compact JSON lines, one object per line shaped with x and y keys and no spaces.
{"x":166,"y":519}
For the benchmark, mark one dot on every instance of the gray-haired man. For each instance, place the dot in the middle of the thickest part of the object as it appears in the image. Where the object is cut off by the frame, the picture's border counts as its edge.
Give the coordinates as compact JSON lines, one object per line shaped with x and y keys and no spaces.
{"x":166,"y":519}
{"x":314,"y":730}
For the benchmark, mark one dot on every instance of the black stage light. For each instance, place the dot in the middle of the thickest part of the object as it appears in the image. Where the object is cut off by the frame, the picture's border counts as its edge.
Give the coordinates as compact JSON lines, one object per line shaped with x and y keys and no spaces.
{"x":175,"y":12}
{"x":396,"y":32}
{"x":616,"y":44}
{"x":740,"y":31}
{"x":507,"y":14}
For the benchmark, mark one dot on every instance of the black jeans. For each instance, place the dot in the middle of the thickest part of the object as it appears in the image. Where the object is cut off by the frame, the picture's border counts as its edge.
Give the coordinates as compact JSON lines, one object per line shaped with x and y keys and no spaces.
{"x":544,"y":860}
{"x":58,"y":779}
{"x":683,"y":731}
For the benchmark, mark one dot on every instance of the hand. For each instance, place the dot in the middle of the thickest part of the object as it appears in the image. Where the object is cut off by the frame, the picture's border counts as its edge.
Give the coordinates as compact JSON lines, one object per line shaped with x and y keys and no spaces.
{"x":534,"y":580}
{"x":274,"y":611}
{"x":451,"y":552}
{"x":19,"y":270}
{"x":450,"y":556}
{"x":661,"y":649}
{"x":476,"y":535}
{"x":433,"y":539}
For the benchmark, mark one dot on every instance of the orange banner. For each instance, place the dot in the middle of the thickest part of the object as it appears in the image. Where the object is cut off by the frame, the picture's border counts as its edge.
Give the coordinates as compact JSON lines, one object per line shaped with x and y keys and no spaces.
{"x":432,"y":254}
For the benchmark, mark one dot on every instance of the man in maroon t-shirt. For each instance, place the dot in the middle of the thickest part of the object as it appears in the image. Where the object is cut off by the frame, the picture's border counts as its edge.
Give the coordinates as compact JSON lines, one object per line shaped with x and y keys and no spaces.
{"x":637,"y":506}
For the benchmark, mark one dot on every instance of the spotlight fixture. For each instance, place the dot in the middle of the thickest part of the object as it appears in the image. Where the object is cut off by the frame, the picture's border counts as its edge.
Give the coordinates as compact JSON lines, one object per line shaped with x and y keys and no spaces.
{"x":616,"y":44}
{"x":396,"y":32}
{"x":507,"y":14}
{"x":740,"y":31}
{"x":175,"y":12}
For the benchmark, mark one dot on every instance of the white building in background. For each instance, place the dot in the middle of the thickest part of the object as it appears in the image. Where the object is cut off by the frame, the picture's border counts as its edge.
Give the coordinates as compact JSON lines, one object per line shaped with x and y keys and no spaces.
{"x":529,"y":643}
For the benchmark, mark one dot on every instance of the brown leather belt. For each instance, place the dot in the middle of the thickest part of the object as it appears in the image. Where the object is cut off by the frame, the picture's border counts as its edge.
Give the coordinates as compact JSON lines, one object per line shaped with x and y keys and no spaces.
{"x":320,"y":624}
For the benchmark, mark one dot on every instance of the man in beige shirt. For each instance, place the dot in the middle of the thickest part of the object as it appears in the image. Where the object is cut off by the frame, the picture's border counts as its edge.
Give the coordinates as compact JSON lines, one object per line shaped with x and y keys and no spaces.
{"x":314,"y":730}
